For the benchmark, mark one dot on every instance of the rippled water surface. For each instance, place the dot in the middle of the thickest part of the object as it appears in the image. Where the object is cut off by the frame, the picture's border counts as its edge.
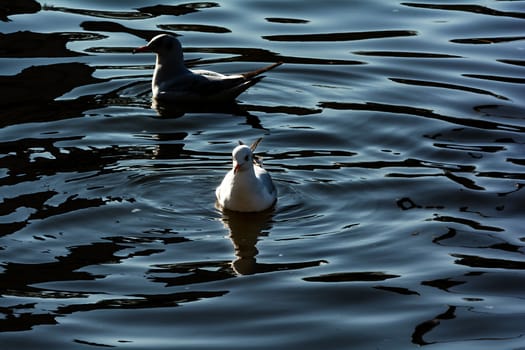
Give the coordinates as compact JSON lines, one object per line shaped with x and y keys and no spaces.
{"x":394,"y":132}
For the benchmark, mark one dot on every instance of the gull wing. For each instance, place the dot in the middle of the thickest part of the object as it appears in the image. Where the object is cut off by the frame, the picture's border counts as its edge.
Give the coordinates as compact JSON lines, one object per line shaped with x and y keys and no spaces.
{"x":197,"y":85}
{"x":266,"y":180}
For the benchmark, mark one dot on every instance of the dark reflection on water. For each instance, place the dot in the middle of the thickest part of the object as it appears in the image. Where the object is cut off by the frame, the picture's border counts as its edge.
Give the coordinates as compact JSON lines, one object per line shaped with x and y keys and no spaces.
{"x":139,"y":13}
{"x":468,"y":8}
{"x":260,"y":55}
{"x":167,"y":110}
{"x":341,"y":36}
{"x":245,"y":230}
{"x":484,"y":41}
{"x":112,"y":27}
{"x":31,"y":94}
{"x":394,"y":132}
{"x":447,"y":86}
{"x":27,"y":44}
{"x":18,"y":278}
{"x":9,"y":8}
{"x":427,"y":326}
{"x":405,"y":54}
{"x":351,"y":277}
{"x":177,"y":10}
{"x":420,"y":112}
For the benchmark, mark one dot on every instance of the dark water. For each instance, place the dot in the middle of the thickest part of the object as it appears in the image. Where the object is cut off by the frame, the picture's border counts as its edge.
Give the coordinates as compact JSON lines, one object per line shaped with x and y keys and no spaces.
{"x":394,"y":132}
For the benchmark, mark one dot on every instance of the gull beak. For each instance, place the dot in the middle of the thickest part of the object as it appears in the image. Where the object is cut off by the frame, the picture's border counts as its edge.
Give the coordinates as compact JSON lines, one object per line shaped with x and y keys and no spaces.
{"x":236,"y":167}
{"x":142,"y":49}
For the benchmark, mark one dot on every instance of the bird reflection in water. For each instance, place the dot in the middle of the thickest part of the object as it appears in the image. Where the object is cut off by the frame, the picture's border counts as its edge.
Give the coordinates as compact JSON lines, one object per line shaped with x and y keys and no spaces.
{"x":245,"y":231}
{"x":172,"y":110}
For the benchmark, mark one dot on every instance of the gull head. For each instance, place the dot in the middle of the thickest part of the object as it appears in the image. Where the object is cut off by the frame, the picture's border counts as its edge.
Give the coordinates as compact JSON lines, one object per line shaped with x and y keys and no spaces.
{"x":163,"y":45}
{"x":242,"y":158}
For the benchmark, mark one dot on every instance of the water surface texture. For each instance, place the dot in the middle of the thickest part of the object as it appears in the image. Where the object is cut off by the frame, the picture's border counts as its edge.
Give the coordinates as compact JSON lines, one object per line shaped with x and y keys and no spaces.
{"x":394,"y":132}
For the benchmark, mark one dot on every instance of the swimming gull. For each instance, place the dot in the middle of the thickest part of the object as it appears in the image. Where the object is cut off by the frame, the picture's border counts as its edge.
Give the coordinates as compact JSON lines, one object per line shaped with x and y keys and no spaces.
{"x":173,"y":82}
{"x":247,"y":187}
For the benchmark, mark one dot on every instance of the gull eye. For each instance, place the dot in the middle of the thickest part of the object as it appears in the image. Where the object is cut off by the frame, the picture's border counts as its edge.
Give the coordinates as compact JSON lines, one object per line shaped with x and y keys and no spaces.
{"x":247,"y":158}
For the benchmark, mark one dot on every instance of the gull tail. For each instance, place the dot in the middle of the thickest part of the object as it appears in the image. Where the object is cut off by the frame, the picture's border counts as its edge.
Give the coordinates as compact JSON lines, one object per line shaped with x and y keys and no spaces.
{"x":255,"y":144}
{"x":252,"y":74}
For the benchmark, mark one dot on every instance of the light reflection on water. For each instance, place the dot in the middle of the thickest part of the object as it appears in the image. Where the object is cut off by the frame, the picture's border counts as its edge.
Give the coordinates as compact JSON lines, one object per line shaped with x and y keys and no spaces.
{"x":394,"y":133}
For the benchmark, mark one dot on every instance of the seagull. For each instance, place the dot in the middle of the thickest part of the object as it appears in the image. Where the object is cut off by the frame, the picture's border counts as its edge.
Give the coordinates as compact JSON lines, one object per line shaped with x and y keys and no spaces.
{"x":247,"y":187}
{"x":173,"y":82}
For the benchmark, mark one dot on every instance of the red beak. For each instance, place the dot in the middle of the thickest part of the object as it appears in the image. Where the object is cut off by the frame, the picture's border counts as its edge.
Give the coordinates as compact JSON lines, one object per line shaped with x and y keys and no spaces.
{"x":142,"y":49}
{"x":236,"y":168}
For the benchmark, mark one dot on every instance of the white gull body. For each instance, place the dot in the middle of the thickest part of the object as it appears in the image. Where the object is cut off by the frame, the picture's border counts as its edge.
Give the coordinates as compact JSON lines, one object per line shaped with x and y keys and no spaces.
{"x":247,"y":187}
{"x":172,"y":81}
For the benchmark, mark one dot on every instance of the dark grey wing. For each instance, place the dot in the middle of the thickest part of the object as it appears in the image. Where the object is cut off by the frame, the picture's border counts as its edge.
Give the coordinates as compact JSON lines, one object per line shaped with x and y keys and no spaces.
{"x":268,"y":183}
{"x":266,"y":180}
